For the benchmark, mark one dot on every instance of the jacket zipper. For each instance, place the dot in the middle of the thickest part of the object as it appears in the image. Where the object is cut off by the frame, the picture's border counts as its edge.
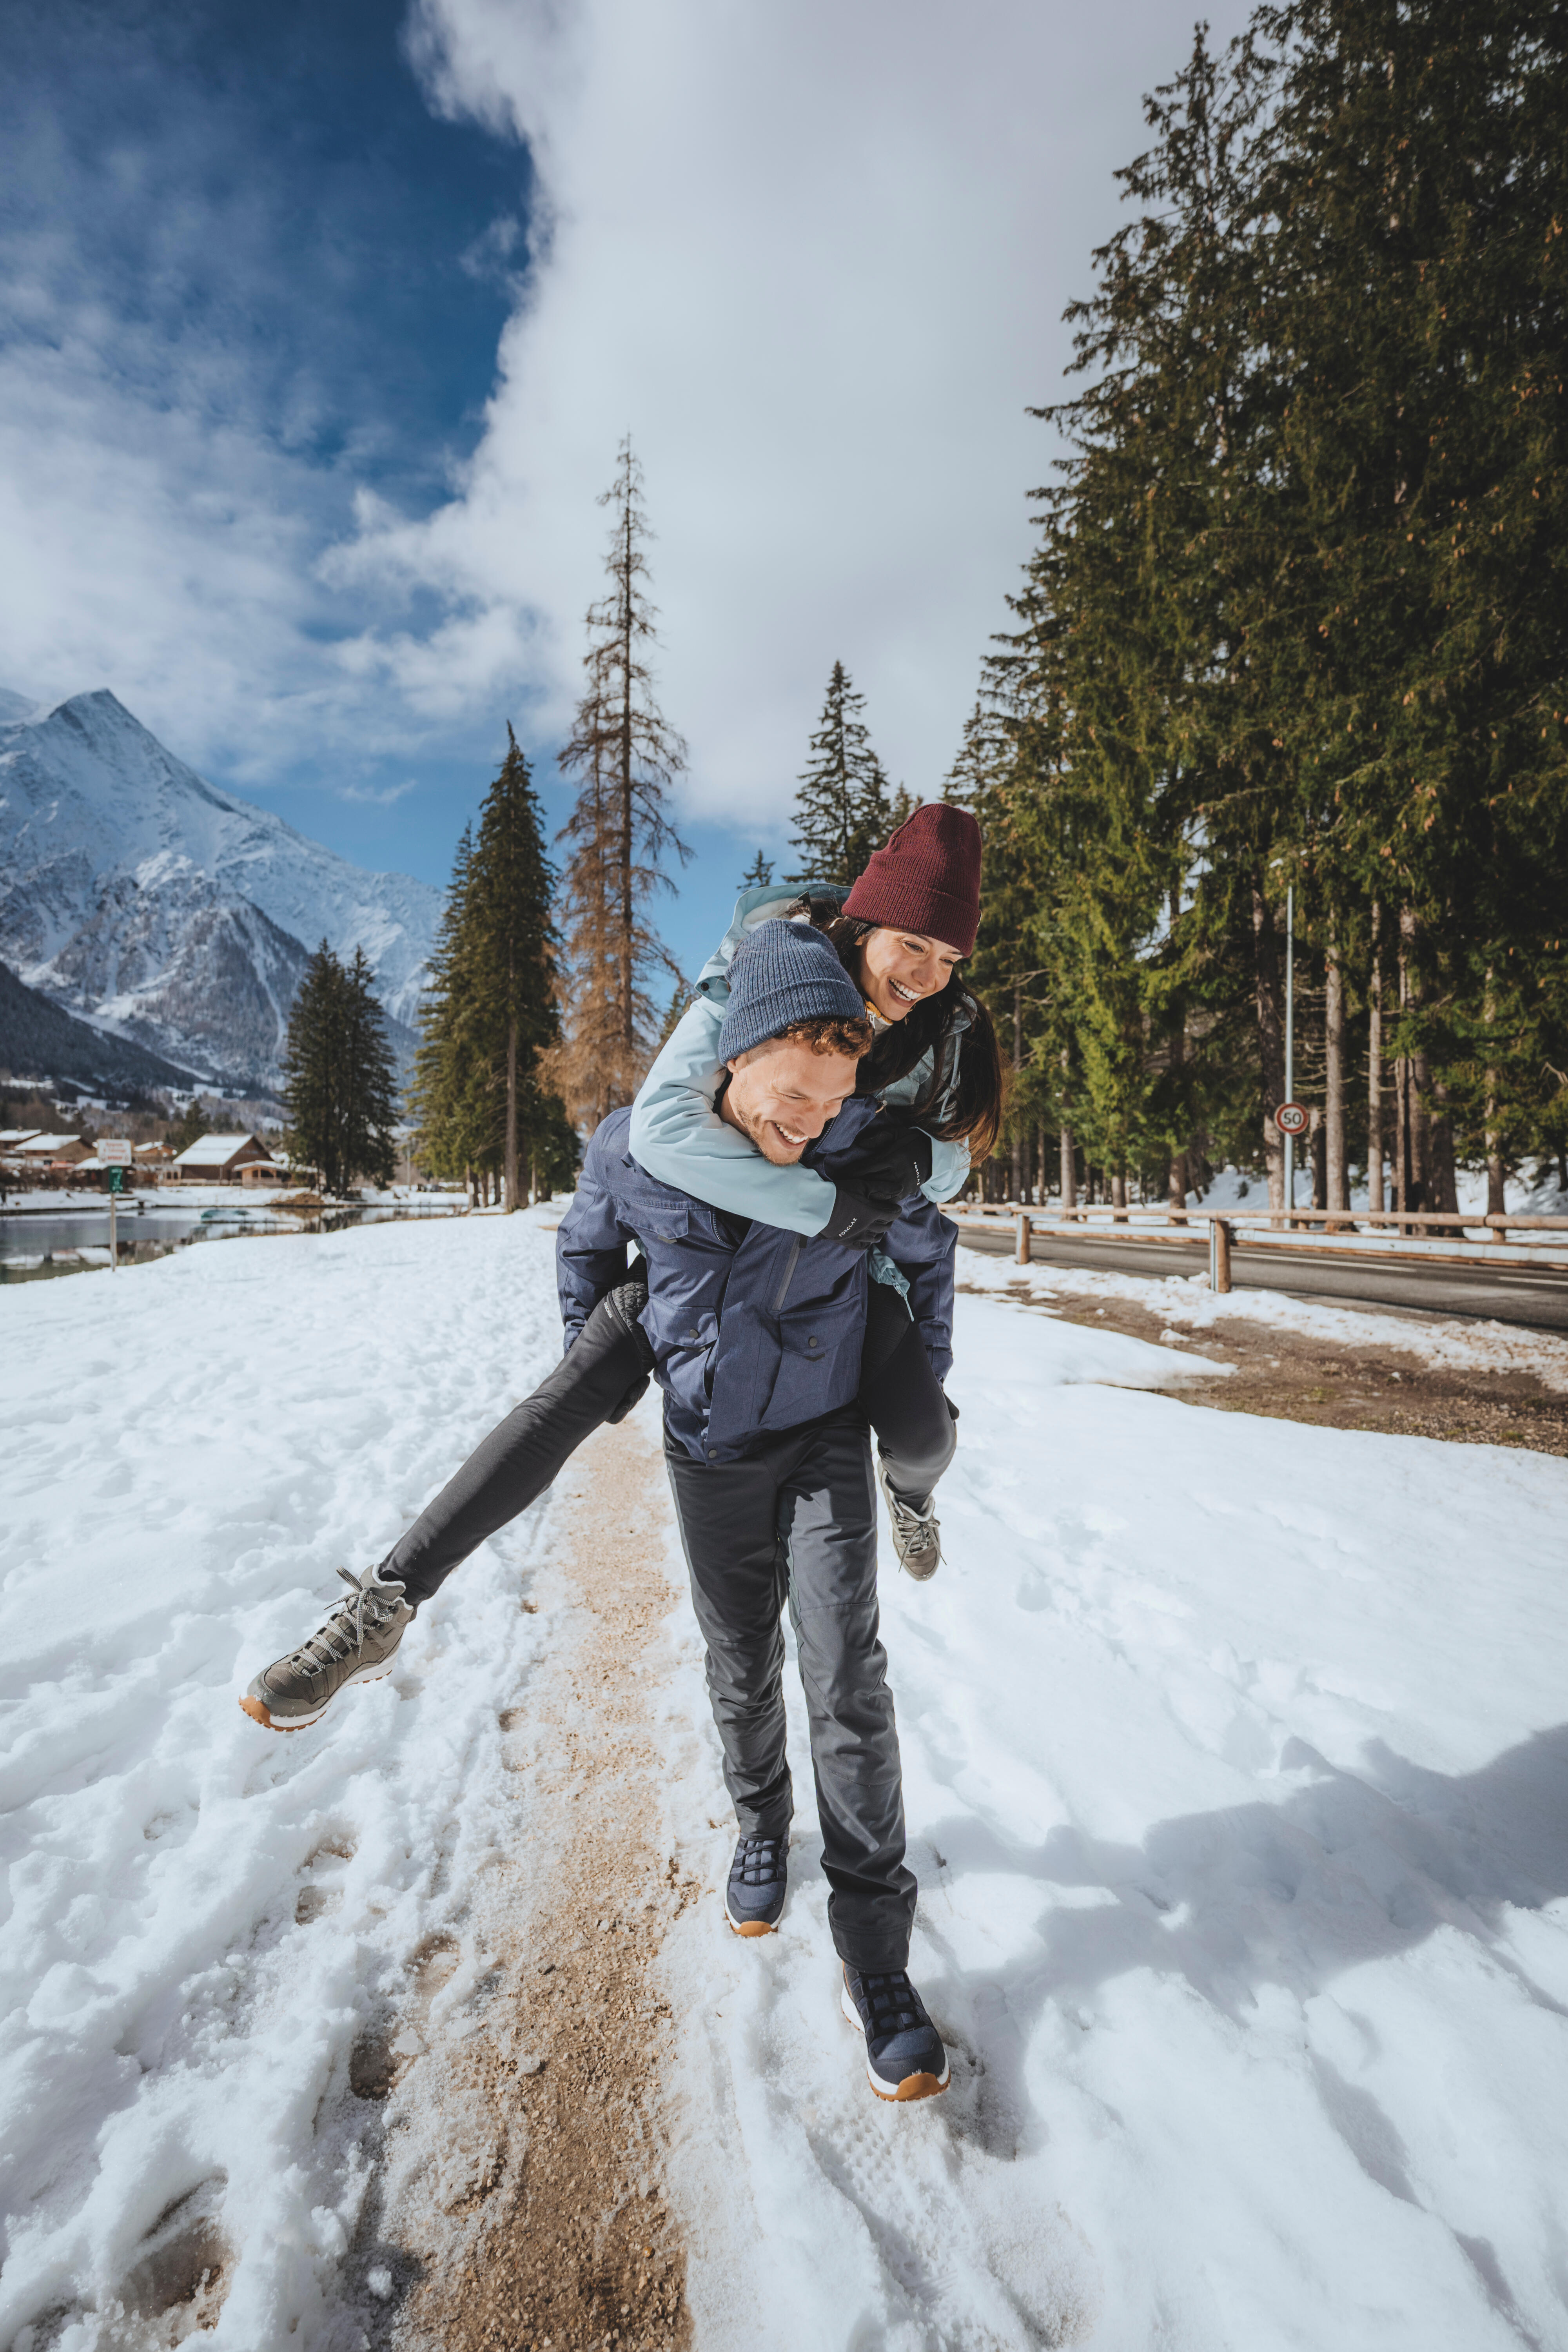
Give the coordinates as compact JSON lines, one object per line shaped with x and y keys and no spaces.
{"x":788,"y":1273}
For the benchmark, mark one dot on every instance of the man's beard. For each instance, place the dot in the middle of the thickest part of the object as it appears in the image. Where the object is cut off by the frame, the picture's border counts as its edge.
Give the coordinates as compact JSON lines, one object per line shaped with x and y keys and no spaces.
{"x":764,"y":1134}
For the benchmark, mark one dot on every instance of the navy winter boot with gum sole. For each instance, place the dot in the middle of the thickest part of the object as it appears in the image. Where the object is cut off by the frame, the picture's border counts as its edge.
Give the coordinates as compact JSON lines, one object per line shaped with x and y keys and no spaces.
{"x":755,"y":1894}
{"x":904,"y":2054}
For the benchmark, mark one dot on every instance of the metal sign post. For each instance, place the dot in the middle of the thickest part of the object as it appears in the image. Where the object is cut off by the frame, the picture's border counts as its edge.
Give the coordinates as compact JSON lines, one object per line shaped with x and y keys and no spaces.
{"x":1290,"y":1133}
{"x":117,"y":1158}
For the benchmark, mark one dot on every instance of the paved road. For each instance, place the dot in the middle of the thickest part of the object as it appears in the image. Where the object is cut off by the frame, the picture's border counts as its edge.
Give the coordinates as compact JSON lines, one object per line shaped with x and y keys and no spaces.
{"x":1537,"y":1300}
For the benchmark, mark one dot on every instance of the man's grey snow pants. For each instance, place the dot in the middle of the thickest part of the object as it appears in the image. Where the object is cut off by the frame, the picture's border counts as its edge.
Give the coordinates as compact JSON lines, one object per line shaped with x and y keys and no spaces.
{"x":797,"y":1519}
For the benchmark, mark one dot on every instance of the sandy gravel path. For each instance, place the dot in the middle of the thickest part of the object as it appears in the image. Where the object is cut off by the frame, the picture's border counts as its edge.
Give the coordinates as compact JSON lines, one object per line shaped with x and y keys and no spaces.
{"x":523,"y":2175}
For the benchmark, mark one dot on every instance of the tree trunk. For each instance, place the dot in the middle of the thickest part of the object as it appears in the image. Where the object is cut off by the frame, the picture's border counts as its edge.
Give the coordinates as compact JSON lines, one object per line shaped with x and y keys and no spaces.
{"x":1177,"y":1173}
{"x":1118,"y":1188}
{"x":629,"y":894}
{"x":1421,"y":1131}
{"x":1416,"y":1113}
{"x":1443,"y":1175}
{"x":512,"y":1202}
{"x":1374,"y":1073}
{"x":1069,"y":1169}
{"x":1017,"y":1066}
{"x":1318,"y":1146}
{"x":1404,"y":1171}
{"x":1266,"y":995}
{"x":1335,"y":1184}
{"x":1497,"y":1171}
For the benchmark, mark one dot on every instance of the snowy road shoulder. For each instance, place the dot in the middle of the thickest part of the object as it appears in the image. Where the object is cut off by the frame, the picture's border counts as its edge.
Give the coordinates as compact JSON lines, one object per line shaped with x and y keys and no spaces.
{"x":1460,"y":1344}
{"x":1237,"y":1781}
{"x":202,"y":1916}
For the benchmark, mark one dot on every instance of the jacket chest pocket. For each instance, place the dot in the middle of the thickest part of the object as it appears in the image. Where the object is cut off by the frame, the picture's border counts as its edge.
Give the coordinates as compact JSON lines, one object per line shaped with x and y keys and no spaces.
{"x":819,"y":1361}
{"x":664,"y":1221}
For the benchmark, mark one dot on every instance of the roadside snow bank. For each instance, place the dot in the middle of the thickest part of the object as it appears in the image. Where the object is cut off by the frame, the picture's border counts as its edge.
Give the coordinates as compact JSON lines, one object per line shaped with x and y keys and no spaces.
{"x":1236,"y":1780}
{"x":1186,"y":1299}
{"x":201,"y":1915}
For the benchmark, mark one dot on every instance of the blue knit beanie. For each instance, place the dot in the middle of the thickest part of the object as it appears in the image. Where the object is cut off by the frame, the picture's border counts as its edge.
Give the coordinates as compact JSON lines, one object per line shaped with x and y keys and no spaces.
{"x":782,"y":973}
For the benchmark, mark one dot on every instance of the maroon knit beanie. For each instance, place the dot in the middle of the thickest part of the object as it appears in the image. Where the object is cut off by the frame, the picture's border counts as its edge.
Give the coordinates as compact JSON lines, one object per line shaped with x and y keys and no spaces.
{"x":927,"y":879}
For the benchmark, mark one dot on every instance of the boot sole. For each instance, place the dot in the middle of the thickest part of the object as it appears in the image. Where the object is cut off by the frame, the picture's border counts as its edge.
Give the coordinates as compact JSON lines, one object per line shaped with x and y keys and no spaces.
{"x":750,"y":1926}
{"x":913,"y":2087}
{"x":257,"y":1709}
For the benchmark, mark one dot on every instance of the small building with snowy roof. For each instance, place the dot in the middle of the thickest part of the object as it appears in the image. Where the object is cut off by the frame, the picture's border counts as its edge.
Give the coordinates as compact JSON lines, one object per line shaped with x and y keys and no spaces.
{"x":216,"y":1158}
{"x":58,"y":1151}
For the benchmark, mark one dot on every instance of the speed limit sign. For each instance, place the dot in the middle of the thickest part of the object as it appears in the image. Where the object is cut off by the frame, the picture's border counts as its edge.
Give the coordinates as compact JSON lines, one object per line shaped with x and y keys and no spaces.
{"x":1291,"y":1118}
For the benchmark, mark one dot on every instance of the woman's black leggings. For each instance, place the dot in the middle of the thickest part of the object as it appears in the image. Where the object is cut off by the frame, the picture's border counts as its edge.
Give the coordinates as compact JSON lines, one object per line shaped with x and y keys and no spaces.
{"x":605,"y":1373}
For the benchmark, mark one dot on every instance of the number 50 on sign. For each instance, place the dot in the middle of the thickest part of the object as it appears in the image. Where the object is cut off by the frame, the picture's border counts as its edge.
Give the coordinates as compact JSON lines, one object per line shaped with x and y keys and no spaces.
{"x":1291,"y":1118}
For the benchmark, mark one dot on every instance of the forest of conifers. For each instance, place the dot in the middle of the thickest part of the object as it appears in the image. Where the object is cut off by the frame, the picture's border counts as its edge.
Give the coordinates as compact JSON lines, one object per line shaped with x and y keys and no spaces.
{"x":1296,"y":619}
{"x":1294,"y":626}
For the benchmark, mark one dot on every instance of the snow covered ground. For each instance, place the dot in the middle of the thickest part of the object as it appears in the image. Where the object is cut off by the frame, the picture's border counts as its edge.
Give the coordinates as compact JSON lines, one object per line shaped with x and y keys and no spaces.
{"x":1238,"y":1787}
{"x":199,"y":1916}
{"x":1532,"y":1191}
{"x":1464,"y":1344}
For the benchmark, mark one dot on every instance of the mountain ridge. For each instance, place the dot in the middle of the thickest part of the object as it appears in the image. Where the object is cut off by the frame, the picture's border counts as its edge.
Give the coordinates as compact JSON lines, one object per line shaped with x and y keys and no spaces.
{"x":40,"y":1040}
{"x":164,"y":908}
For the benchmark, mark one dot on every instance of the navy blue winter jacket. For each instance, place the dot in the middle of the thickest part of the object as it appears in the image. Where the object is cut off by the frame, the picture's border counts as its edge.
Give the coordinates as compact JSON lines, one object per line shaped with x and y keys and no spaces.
{"x":752,"y":1328}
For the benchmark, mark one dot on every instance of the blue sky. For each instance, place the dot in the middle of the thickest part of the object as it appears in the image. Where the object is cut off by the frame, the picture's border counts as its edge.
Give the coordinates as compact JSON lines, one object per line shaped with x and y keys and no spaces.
{"x":322,"y":320}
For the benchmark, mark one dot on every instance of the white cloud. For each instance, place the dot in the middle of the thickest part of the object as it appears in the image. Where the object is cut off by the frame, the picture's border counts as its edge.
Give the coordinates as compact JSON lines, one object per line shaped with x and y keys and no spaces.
{"x":814,"y":258}
{"x":378,"y":796}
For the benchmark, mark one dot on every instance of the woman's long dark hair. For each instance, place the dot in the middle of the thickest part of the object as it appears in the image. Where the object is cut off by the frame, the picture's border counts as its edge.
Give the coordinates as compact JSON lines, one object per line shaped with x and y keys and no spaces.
{"x":979,"y":1096}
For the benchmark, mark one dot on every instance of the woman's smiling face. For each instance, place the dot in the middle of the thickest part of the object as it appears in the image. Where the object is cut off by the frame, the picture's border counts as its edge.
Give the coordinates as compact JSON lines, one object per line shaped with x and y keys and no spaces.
{"x":898,"y":968}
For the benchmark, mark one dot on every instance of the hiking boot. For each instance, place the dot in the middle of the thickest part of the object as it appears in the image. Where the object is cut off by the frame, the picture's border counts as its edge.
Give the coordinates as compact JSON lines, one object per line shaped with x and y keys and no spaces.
{"x":904,"y":2054}
{"x":917,"y":1535}
{"x":356,"y":1642}
{"x":755,"y":1894}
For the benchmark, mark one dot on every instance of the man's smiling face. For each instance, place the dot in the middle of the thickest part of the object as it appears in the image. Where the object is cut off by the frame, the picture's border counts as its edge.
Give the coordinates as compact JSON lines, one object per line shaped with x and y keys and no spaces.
{"x":784,"y":1093}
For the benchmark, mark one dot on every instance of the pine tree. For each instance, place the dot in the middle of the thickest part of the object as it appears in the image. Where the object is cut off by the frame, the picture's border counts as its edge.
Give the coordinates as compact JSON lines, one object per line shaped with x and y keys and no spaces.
{"x":339,"y":1077}
{"x":485,"y":1090}
{"x":627,"y":757}
{"x":757,"y":874}
{"x":510,"y":948}
{"x":842,"y":810}
{"x":368,"y":1108}
{"x":451,"y":1095}
{"x":194,"y":1122}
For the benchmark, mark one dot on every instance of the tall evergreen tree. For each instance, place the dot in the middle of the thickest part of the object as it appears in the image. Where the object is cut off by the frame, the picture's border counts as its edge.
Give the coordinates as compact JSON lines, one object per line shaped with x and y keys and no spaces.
{"x":510,"y":955}
{"x":626,"y":756}
{"x":485,"y":1091}
{"x":842,"y":809}
{"x":339,"y":1076}
{"x":1294,"y":618}
{"x":757,"y":874}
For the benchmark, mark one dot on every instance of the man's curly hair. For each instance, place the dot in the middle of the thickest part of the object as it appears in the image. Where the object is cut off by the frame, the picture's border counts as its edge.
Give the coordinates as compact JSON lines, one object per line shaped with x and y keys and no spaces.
{"x":826,"y":1032}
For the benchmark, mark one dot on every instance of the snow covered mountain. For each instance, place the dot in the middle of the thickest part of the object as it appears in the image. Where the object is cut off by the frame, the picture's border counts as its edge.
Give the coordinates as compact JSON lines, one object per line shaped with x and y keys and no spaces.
{"x":149,"y":903}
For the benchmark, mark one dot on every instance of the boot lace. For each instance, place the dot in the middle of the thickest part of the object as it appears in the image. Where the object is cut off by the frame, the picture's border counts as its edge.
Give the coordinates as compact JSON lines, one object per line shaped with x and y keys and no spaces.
{"x":759,"y":1860}
{"x":892,"y":2003}
{"x":342,"y":1630}
{"x":914,"y":1531}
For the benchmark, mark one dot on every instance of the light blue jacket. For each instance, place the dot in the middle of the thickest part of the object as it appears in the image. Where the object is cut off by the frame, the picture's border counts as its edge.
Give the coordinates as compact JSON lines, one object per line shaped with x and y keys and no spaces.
{"x":680,"y":1138}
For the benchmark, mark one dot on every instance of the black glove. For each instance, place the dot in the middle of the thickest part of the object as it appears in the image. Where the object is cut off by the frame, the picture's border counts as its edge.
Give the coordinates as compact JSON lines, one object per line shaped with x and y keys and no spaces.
{"x":860,"y":1219}
{"x":891,"y":1157}
{"x":630,"y":1401}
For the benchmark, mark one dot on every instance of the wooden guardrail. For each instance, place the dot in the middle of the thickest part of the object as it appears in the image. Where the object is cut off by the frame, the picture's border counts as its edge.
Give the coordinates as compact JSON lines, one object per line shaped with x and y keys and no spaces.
{"x":1340,"y":1225}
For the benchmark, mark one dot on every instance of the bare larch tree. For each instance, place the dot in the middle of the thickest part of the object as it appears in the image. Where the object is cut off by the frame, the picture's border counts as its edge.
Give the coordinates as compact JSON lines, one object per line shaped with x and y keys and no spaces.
{"x":626,"y":757}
